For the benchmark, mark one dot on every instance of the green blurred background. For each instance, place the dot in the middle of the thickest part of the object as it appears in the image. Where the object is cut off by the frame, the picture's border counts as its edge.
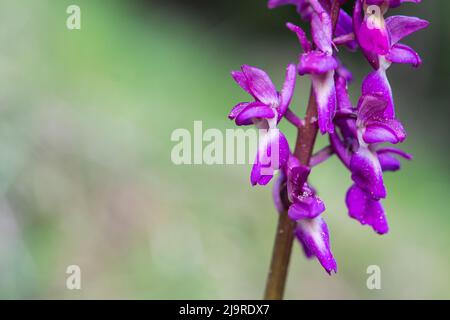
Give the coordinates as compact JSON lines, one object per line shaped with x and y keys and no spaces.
{"x":86,"y":176}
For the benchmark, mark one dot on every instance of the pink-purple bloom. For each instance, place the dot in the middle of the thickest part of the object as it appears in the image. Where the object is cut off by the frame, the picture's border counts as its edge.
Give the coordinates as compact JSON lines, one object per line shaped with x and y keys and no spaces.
{"x":265,"y":112}
{"x":379,"y":37}
{"x":361,"y":135}
{"x":318,"y":61}
{"x":306,"y":209}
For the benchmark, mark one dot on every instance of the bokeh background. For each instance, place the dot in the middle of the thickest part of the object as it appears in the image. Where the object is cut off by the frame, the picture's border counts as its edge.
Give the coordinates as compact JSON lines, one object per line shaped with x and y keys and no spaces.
{"x":86,"y":176}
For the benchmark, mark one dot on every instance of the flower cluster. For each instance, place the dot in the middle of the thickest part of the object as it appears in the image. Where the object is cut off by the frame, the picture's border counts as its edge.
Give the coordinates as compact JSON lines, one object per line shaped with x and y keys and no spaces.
{"x":358,"y":134}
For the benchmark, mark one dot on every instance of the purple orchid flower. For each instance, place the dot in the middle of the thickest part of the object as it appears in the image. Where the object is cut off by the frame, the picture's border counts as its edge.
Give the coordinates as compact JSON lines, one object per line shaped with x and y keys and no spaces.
{"x":375,"y":123}
{"x":321,"y":65}
{"x":361,"y":205}
{"x":379,"y":38}
{"x":306,"y":209}
{"x":367,"y":164}
{"x":359,"y":149}
{"x":265,"y":112}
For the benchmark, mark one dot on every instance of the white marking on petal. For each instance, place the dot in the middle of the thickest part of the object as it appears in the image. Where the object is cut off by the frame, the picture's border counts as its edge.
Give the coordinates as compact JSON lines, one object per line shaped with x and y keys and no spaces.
{"x":313,"y":228}
{"x":323,"y":85}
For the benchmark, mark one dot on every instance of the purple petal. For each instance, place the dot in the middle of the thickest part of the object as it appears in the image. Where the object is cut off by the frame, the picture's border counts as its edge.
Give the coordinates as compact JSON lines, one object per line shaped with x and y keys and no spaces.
{"x":241,"y":80}
{"x":237,"y":109}
{"x":288,"y":89}
{"x":367,"y":172}
{"x":357,"y":17}
{"x":325,"y":94}
{"x":345,"y":39}
{"x":293,"y":162}
{"x":260,"y":85}
{"x":301,"y":35}
{"x":306,"y":205}
{"x":321,"y":27}
{"x":392,"y":3}
{"x":256,"y":178}
{"x":344,"y":24}
{"x":343,"y":99}
{"x":316,"y":62}
{"x":400,"y":27}
{"x":395,"y":151}
{"x":277,"y":3}
{"x":375,"y":2}
{"x":366,"y":210}
{"x":371,"y":106}
{"x":284,"y":150}
{"x":297,"y":175}
{"x":341,"y":151}
{"x":254,"y":110}
{"x":376,"y":83}
{"x":303,"y":7}
{"x":373,"y":36}
{"x":401,"y":53}
{"x":387,"y":158}
{"x":384,"y":130}
{"x":389,"y":162}
{"x":314,"y":237}
{"x":273,"y":153}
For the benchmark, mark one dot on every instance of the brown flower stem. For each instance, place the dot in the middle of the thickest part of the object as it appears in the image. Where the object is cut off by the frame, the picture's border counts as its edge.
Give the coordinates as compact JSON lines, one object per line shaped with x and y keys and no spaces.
{"x":304,"y":147}
{"x":276,"y":280}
